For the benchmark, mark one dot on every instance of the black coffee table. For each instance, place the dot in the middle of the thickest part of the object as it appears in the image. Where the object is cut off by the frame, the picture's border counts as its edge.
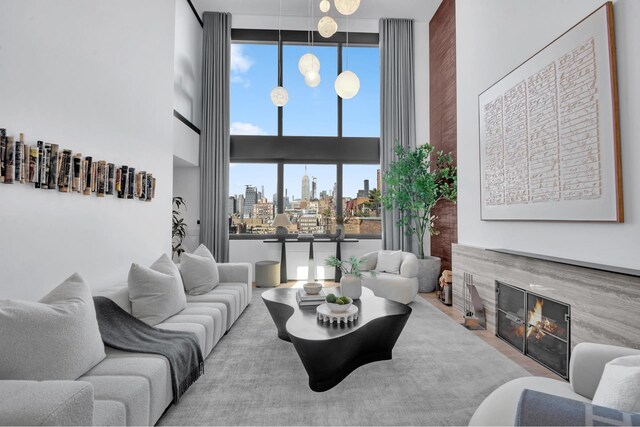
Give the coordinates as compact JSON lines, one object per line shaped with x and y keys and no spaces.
{"x":330,"y":353}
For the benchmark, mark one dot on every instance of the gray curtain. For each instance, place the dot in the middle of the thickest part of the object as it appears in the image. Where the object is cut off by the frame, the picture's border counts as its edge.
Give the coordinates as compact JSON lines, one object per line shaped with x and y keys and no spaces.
{"x":214,"y":137}
{"x":397,"y":111}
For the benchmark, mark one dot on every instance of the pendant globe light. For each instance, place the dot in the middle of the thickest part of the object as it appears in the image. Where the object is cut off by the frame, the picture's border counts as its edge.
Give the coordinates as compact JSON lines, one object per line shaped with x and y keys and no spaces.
{"x":327,"y":26}
{"x":309,"y":64}
{"x":347,"y":7}
{"x":279,"y":95}
{"x":325,"y":5}
{"x":347,"y":83}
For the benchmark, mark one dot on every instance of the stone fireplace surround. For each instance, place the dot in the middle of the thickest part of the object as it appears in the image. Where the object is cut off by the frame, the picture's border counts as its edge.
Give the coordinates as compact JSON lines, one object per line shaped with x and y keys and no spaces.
{"x":605,"y":306}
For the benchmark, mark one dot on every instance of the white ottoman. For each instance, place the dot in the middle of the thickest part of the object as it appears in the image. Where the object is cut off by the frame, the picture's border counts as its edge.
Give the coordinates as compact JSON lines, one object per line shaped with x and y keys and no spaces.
{"x":267,"y":273}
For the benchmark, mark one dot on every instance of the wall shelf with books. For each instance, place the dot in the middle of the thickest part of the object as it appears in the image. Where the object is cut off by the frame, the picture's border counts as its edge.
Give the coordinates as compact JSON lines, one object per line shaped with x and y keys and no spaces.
{"x":47,"y":166}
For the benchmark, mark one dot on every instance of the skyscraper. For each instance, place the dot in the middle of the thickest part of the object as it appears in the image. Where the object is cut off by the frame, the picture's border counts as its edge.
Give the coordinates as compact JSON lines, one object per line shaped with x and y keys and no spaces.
{"x":305,"y":185}
{"x":250,"y":199}
{"x":313,"y":188}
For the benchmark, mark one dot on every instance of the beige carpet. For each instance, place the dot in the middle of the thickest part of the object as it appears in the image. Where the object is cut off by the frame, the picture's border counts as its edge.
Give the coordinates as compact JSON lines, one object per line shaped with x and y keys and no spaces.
{"x":439,"y":374}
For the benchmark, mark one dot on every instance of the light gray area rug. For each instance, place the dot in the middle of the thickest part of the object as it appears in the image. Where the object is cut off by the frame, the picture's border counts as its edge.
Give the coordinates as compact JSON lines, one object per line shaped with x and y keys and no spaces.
{"x":439,"y":374}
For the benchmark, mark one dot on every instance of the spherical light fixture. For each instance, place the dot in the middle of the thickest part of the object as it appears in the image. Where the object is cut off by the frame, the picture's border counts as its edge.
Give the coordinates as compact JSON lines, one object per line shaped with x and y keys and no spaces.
{"x":312,"y":78}
{"x":347,"y":84}
{"x":279,"y":96}
{"x":325,"y":5}
{"x":327,"y":26}
{"x":347,"y":7}
{"x":308,"y":62}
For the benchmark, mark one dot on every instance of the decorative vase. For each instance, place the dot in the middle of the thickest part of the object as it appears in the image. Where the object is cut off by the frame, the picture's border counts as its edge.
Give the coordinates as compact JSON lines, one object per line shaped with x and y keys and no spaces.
{"x":340,"y":231}
{"x":351,"y":286}
{"x":428,"y":273}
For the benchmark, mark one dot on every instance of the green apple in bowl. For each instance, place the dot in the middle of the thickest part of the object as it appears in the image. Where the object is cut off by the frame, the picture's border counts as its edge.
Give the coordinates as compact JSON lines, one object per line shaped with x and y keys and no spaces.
{"x":338,"y":304}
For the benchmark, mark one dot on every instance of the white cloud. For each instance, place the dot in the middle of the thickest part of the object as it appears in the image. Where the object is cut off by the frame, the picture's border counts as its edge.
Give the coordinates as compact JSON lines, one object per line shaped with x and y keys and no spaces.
{"x":240,"y":62}
{"x":240,"y":128}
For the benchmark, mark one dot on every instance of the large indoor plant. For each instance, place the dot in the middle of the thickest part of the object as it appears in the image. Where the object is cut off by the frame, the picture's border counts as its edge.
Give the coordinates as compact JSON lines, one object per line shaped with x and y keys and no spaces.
{"x":178,"y":229}
{"x":415,"y":183}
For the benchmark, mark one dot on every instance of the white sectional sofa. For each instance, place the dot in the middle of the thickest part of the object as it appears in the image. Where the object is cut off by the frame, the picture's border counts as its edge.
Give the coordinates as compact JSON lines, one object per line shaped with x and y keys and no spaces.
{"x":128,"y":388}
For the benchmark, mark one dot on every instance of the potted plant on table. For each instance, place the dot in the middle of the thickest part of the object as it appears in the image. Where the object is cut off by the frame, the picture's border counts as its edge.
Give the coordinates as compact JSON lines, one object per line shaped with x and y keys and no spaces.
{"x":351,"y":281}
{"x":415,"y":183}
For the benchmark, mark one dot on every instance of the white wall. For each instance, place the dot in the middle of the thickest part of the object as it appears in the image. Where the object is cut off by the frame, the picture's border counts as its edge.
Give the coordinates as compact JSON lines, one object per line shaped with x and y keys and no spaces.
{"x":493,"y":37}
{"x":187,"y":83}
{"x":95,"y":77}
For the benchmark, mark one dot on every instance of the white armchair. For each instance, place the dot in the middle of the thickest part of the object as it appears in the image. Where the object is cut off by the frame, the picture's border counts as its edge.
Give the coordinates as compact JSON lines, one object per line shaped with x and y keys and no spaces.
{"x":401,"y":287}
{"x":585,"y":369}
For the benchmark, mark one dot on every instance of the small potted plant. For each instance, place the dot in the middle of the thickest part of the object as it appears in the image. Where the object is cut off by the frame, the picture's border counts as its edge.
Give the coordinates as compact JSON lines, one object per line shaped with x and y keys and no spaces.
{"x":351,"y":281}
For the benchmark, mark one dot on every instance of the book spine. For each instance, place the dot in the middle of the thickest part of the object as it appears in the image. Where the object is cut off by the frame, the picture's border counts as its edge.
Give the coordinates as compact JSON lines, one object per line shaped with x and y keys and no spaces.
{"x":54,"y":168}
{"x":141,"y":185}
{"x":153,"y":189}
{"x":45,"y":166}
{"x":88,"y":174}
{"x":3,"y":151}
{"x":9,"y":161}
{"x":124,"y":182}
{"x":94,"y":177}
{"x":111,"y":178}
{"x":77,"y":173}
{"x":18,"y":161}
{"x":101,"y":187}
{"x":33,"y":164}
{"x":118,"y":182}
{"x":25,"y":161}
{"x":149,"y":187}
{"x":65,"y":171}
{"x":132,"y":183}
{"x":38,"y":181}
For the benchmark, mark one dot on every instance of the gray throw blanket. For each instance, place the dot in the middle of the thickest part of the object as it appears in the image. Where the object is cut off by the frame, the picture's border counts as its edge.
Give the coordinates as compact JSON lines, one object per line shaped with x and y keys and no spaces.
{"x":121,"y":330}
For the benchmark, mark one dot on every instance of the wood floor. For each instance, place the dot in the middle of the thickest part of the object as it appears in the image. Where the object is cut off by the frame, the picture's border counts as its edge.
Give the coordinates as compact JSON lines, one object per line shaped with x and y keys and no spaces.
{"x":526,"y":363}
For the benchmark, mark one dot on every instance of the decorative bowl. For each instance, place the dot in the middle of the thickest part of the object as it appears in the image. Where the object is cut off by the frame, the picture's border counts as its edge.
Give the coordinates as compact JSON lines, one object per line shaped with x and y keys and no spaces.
{"x":339,"y":308}
{"x":312,"y":288}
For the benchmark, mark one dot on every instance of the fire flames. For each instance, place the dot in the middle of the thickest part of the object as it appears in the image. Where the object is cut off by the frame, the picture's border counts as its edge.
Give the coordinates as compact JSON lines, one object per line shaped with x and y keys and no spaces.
{"x":538,"y":324}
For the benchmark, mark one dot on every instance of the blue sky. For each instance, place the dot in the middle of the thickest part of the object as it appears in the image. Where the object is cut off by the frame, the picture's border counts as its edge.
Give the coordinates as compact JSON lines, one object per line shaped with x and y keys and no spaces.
{"x":310,"y":111}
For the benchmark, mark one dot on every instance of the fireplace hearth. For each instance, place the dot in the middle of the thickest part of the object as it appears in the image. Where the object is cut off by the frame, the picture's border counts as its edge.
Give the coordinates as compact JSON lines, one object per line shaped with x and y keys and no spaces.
{"x":537,"y":326}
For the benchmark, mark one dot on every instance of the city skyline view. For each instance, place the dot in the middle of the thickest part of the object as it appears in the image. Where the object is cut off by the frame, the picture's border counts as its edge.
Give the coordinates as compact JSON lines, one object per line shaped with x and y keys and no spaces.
{"x":309,"y":112}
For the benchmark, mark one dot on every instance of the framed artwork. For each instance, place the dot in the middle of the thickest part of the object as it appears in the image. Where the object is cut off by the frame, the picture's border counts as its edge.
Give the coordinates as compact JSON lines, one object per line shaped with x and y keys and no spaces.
{"x":549,"y":132}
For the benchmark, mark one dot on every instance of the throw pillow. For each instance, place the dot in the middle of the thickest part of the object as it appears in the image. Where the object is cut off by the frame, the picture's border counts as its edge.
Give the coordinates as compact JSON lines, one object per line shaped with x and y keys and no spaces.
{"x":389,"y":262}
{"x":156,"y":292}
{"x":619,"y":386}
{"x":199,"y":271}
{"x":56,"y":338}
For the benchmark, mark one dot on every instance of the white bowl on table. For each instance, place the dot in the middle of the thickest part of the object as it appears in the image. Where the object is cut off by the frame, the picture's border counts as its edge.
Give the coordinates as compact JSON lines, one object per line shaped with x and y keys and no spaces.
{"x":339,"y":308}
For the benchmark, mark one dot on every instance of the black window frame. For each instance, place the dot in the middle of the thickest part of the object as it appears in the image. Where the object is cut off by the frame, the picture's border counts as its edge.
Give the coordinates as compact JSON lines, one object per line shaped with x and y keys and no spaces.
{"x":281,"y":149}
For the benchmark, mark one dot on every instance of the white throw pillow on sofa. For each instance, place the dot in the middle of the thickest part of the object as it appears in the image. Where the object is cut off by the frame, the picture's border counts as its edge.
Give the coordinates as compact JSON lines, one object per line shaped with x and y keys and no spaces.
{"x":619,"y":386}
{"x":56,"y":338}
{"x":156,"y":292}
{"x":389,"y":262}
{"x":199,"y":271}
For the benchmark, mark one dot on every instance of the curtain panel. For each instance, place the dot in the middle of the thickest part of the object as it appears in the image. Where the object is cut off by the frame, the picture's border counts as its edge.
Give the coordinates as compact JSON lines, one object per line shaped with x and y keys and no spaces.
{"x":397,"y":112}
{"x":214,"y":136}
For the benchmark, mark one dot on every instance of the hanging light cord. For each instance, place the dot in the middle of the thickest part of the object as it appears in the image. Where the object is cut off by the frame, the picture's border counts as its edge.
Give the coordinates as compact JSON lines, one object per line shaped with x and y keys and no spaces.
{"x":347,"y":49}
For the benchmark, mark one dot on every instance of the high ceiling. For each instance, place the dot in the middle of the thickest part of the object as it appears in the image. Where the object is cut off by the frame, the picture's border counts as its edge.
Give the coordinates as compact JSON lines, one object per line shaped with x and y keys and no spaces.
{"x":421,"y":10}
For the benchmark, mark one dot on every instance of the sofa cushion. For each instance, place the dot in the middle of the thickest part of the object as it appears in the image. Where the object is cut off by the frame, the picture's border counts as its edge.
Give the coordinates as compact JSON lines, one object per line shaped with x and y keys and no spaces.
{"x":56,"y":338}
{"x":154,"y":368}
{"x":214,"y":313}
{"x":131,"y":391}
{"x":499,"y":408}
{"x":109,"y":413}
{"x":200,"y":319}
{"x":619,"y":387}
{"x":46,"y":403}
{"x":541,"y":409}
{"x":245,"y":297}
{"x":220,"y":307}
{"x":199,"y":271}
{"x":156,"y":293}
{"x":229,"y":300}
{"x":389,"y":262}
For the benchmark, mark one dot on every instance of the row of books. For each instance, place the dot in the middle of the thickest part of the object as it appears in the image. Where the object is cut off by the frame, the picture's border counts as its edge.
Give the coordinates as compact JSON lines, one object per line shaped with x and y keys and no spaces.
{"x":306,"y":300}
{"x":49,"y":167}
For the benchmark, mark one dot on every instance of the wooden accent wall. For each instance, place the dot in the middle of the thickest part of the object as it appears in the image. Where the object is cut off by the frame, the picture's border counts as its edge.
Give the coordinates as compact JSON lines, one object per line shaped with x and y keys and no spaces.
{"x":443,"y":116}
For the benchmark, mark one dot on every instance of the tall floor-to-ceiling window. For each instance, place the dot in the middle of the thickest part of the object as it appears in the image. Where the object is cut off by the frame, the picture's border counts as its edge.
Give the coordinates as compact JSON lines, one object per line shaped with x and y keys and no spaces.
{"x":315,"y":159}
